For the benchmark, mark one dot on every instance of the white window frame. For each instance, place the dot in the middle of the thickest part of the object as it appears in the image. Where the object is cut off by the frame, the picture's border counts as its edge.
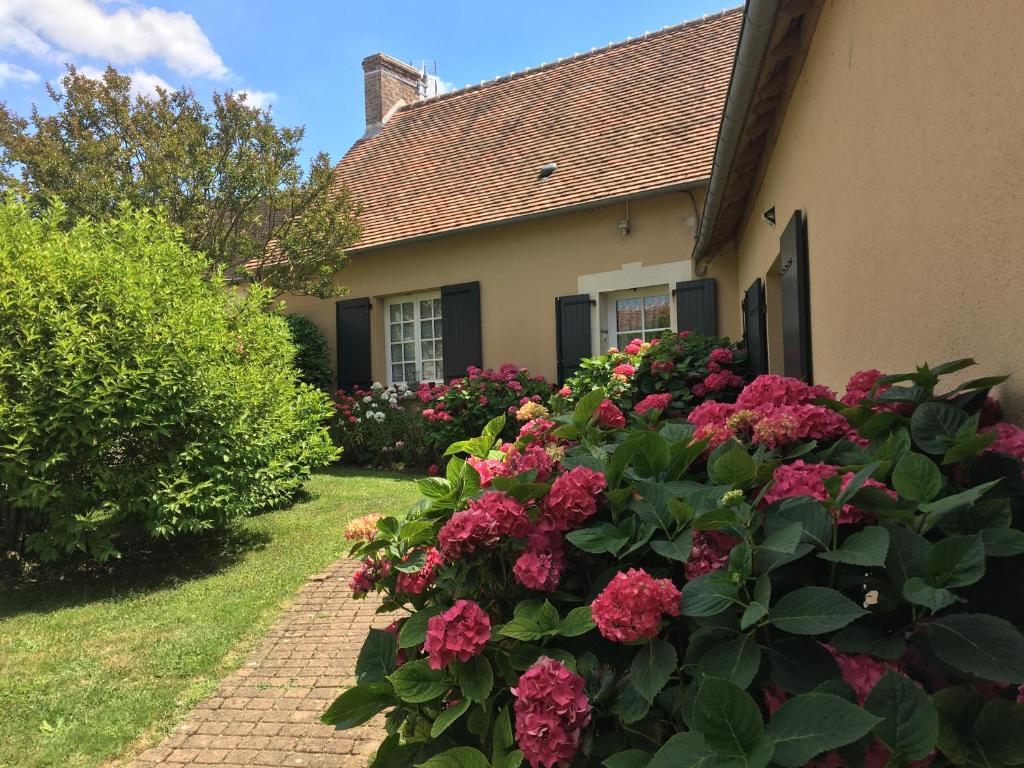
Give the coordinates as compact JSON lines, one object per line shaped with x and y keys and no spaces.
{"x":635,"y":293}
{"x":414,"y":299}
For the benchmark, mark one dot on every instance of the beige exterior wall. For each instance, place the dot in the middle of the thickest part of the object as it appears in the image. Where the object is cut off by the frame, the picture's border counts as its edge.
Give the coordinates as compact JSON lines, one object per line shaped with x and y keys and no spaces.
{"x":904,"y":144}
{"x":521,"y":268}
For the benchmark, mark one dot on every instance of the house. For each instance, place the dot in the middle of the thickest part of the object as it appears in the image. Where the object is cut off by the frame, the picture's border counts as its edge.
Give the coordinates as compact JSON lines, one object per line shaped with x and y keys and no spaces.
{"x":866,"y":189}
{"x":535,"y":218}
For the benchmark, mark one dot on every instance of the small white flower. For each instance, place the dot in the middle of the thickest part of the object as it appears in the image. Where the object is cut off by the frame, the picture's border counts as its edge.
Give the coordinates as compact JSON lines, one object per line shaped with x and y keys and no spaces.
{"x":376,"y":386}
{"x":367,"y":399}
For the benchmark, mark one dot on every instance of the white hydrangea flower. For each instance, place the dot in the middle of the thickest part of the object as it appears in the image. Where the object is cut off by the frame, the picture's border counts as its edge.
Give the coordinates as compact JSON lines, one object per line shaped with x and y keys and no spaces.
{"x":367,"y":399}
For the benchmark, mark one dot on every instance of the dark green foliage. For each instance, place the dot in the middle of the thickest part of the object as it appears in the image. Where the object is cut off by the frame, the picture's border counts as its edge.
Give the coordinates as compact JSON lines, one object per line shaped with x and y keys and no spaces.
{"x":138,"y":396}
{"x":311,"y":359}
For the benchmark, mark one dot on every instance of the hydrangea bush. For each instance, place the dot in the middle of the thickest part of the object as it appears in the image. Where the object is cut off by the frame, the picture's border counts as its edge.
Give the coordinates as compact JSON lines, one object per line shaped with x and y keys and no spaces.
{"x":381,"y":427}
{"x":686,"y":366}
{"x":793,"y":579}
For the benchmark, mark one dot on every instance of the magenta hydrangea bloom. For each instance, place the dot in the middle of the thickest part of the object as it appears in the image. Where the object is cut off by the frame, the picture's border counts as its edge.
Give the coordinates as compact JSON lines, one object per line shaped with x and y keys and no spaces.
{"x":487,"y":519}
{"x":571,"y":500}
{"x":721,"y":356}
{"x":542,"y":562}
{"x":1009,"y":440}
{"x":803,"y":479}
{"x":609,"y":415}
{"x":551,"y":711}
{"x":415,"y":583}
{"x":771,"y":390}
{"x":369,"y":573}
{"x":859,"y":386}
{"x":653,"y":402}
{"x":710,"y":552}
{"x":460,"y":633}
{"x":633,"y":605}
{"x":625,"y":370}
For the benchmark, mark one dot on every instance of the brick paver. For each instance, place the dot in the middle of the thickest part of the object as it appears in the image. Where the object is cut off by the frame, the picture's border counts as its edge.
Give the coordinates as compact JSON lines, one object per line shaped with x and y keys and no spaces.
{"x":267,"y":713}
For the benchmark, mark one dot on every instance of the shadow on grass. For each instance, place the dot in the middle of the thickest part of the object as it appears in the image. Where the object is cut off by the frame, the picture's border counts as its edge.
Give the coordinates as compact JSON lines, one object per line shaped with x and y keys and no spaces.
{"x":145,"y":567}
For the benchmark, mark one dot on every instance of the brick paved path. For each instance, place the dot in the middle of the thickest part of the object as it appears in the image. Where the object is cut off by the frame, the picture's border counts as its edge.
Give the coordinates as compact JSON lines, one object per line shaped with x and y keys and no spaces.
{"x":268,"y":712}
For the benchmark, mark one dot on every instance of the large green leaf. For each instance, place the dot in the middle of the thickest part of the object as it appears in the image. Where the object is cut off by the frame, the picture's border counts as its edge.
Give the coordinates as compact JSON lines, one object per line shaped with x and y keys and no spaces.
{"x":628,"y":758}
{"x":708,"y":595}
{"x":458,"y":757}
{"x":934,"y":426}
{"x":998,"y":733}
{"x":979,"y":644}
{"x":358,"y":704}
{"x":937,"y":511}
{"x":448,"y":716}
{"x":808,"y":725}
{"x":814,"y":611}
{"x":415,"y":682}
{"x":867,"y":548}
{"x":730,"y":721}
{"x":630,"y":706}
{"x":377,"y":657}
{"x":784,"y":540}
{"x":475,"y":677}
{"x":734,"y":467}
{"x":906,"y":555}
{"x":652,"y":666}
{"x":736,"y":661}
{"x":414,"y":630}
{"x":684,"y":750}
{"x":597,"y":539}
{"x":860,"y":639}
{"x":577,"y":622}
{"x":678,"y":549}
{"x":799,"y":665}
{"x":917,"y":478}
{"x":919,"y":592}
{"x":956,"y":561}
{"x":758,"y":608}
{"x":958,"y":708}
{"x":910,"y":722}
{"x":810,"y":513}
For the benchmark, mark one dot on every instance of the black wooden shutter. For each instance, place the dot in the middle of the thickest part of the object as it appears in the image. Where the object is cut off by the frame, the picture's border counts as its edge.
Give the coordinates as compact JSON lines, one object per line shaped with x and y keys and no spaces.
{"x":796,"y":299}
{"x":460,"y":321}
{"x":755,"y":328}
{"x":697,"y":307}
{"x":572,"y":333}
{"x":352,"y":319}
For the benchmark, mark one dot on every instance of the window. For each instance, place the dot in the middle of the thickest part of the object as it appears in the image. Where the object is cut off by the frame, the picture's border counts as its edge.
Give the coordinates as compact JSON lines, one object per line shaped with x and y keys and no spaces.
{"x":640,"y":313}
{"x":414,"y":339}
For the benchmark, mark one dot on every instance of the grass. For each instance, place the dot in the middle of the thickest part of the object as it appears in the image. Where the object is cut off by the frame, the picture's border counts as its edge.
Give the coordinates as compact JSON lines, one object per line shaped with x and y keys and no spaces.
{"x":100,"y":667}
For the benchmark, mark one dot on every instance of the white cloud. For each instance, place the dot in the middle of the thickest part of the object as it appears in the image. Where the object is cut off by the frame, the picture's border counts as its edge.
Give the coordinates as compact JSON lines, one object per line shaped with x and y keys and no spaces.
{"x":436,"y":86}
{"x":128,"y":35}
{"x":143,"y":83}
{"x":12,"y":73}
{"x":261,"y":99}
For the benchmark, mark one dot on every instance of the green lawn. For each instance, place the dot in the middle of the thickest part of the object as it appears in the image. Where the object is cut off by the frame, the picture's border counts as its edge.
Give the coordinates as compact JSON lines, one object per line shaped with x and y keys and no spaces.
{"x":101,"y":667}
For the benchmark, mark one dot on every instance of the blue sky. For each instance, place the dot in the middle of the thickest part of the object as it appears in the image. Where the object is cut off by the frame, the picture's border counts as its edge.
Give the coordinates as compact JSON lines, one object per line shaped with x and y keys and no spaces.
{"x":303,"y":57}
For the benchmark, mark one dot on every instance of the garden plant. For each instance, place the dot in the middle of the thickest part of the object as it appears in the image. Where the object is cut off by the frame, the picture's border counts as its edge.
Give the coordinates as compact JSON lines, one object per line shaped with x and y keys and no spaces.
{"x":791,"y":579}
{"x":139,"y":396}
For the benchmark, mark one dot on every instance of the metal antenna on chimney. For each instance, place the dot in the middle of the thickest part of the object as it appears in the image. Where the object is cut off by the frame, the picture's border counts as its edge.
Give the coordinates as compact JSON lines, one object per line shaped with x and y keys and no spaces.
{"x":429,"y":87}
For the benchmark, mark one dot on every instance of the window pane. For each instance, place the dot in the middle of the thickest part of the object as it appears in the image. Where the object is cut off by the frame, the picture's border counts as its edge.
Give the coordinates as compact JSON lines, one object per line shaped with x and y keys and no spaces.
{"x":437,"y":330}
{"x":428,"y":372}
{"x":426,"y":307}
{"x":395,"y":312}
{"x":426,"y":329}
{"x":396,"y":373}
{"x":409,"y":351}
{"x":623,"y":339}
{"x":427,"y":350}
{"x":410,"y":371}
{"x":437,"y":308}
{"x":396,"y":332}
{"x":627,"y":315}
{"x":396,"y":353}
{"x":408,"y":309}
{"x":437,"y":349}
{"x":657,"y":313}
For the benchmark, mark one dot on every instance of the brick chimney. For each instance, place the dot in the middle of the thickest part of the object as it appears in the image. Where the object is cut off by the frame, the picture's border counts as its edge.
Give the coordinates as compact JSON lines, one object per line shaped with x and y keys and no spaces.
{"x":389,"y":83}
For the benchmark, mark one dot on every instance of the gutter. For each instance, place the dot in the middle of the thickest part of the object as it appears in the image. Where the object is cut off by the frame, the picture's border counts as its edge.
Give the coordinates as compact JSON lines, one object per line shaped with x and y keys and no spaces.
{"x":758,"y":22}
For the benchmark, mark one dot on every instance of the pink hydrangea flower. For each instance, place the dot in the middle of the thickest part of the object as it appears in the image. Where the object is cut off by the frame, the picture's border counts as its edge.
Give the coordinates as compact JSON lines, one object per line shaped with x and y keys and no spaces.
{"x":625,"y":370}
{"x":859,"y":386}
{"x":542,"y":562}
{"x":415,"y":583}
{"x":774,"y":697}
{"x":710,"y":552}
{"x":711,"y":413}
{"x":633,"y":605}
{"x":1009,"y":440}
{"x":433,"y":470}
{"x":531,"y":456}
{"x":653,"y":402}
{"x":460,"y":633}
{"x":803,"y":479}
{"x":483,"y":524}
{"x":721,"y":355}
{"x":634,"y":347}
{"x":536,"y":429}
{"x":609,"y":415}
{"x":565,"y":392}
{"x":369,"y":573}
{"x":716,"y":381}
{"x":571,"y":500}
{"x":551,"y":711}
{"x":788,"y":423}
{"x":771,"y":390}
{"x":487,"y":469}
{"x":663,"y":366}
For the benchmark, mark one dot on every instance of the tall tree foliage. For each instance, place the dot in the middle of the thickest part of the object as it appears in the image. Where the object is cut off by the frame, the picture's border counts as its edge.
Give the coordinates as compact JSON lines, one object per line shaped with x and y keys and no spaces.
{"x":226,"y":175}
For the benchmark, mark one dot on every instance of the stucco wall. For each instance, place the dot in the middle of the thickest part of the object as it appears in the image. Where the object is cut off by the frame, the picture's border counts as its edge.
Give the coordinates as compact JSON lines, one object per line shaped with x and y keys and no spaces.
{"x":904,"y":143}
{"x":522,"y":267}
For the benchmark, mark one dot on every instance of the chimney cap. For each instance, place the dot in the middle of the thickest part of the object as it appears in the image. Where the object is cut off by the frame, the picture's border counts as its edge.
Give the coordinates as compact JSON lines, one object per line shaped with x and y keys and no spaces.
{"x":383,"y":61}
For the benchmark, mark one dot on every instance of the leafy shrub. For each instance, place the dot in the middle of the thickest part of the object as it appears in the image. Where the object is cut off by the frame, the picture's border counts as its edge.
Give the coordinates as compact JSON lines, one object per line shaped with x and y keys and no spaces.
{"x":382,"y":427}
{"x":311,"y":359}
{"x":464,"y":406}
{"x":137,"y":396}
{"x":690,"y":367}
{"x":788,"y":580}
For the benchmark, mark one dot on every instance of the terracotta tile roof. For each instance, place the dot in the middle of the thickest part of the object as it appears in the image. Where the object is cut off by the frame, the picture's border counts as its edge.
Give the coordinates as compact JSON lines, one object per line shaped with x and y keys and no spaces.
{"x":630,"y":118}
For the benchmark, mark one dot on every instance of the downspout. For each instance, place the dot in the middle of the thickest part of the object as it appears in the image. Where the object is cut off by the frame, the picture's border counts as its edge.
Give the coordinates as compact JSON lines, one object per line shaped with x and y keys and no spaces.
{"x":758,"y":22}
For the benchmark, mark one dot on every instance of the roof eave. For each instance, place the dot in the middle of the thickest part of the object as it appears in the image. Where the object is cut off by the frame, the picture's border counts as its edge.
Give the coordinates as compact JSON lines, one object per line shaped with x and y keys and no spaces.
{"x":533,"y":216}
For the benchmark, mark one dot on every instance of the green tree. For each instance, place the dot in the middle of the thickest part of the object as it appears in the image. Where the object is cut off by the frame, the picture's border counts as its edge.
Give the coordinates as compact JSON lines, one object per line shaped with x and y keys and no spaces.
{"x":226,"y":175}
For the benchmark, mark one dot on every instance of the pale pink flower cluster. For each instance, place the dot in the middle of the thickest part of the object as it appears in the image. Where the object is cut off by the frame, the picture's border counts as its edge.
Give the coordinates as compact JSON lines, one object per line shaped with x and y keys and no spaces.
{"x":362,"y":528}
{"x":633,"y":605}
{"x":460,"y":633}
{"x":710,"y":552}
{"x":541,"y":564}
{"x":415,"y":583}
{"x":653,"y":403}
{"x":483,"y":524}
{"x":551,"y":711}
{"x":571,"y":500}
